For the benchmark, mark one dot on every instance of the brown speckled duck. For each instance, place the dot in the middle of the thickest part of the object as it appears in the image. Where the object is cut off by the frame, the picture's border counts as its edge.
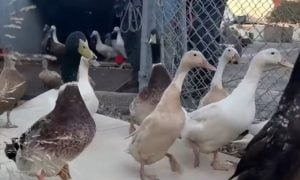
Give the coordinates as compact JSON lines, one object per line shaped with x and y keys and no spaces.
{"x":50,"y":79}
{"x":12,"y":87}
{"x":148,"y":98}
{"x":48,"y":146}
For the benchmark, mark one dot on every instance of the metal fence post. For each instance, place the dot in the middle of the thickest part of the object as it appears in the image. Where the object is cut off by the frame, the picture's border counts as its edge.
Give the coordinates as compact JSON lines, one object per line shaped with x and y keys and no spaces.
{"x":145,"y":59}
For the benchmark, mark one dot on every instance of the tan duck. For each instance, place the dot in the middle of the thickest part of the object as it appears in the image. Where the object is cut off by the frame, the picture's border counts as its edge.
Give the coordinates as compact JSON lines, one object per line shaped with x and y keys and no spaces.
{"x":50,"y":79}
{"x":158,"y":132}
{"x":217,"y":92}
{"x":12,"y":88}
{"x":148,"y":98}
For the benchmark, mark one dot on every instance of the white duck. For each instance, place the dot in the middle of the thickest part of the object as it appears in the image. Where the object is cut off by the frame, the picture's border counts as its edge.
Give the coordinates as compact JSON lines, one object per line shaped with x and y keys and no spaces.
{"x":253,"y":129}
{"x":119,"y":44}
{"x":217,"y":91}
{"x":107,"y":51}
{"x":163,"y":125}
{"x":74,"y":67}
{"x":219,"y":123}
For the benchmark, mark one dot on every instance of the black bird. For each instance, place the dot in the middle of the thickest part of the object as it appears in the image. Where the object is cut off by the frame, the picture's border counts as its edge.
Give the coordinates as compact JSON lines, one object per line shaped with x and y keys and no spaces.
{"x":274,"y":153}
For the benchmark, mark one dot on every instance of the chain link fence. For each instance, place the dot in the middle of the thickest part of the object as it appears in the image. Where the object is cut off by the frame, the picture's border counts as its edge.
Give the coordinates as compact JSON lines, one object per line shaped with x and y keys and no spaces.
{"x":211,"y":25}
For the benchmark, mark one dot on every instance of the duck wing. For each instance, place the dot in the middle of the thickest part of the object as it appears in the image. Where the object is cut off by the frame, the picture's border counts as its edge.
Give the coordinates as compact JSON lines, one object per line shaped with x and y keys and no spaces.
{"x":205,"y":113}
{"x":12,"y":88}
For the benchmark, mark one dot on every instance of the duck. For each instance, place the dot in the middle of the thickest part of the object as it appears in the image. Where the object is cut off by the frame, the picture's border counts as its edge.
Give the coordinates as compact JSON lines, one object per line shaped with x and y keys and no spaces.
{"x":155,"y":45}
{"x":217,"y":91}
{"x":56,"y":139}
{"x":74,"y":67}
{"x":46,"y":39}
{"x":50,"y":79}
{"x":13,"y":86}
{"x":52,"y":45}
{"x":237,"y":147}
{"x":119,"y":44}
{"x":219,"y":123}
{"x":108,"y":40}
{"x":274,"y":152}
{"x":160,"y":129}
{"x":147,"y":99}
{"x":105,"y":50}
{"x":255,"y":127}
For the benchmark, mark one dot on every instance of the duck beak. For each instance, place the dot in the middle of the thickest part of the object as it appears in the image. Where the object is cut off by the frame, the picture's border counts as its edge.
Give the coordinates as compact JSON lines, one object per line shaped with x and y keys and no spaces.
{"x":85,"y":51}
{"x":113,"y":32}
{"x":287,"y":64}
{"x":236,"y":59}
{"x":89,"y":54}
{"x":208,"y":66}
{"x":152,"y":39}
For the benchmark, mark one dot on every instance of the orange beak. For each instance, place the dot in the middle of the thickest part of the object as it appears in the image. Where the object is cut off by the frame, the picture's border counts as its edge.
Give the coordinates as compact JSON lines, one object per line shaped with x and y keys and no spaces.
{"x":208,"y":66}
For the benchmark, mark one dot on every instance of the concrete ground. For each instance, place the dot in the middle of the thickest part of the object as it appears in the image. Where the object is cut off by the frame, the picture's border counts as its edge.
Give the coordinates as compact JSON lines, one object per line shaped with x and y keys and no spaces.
{"x":106,"y":157}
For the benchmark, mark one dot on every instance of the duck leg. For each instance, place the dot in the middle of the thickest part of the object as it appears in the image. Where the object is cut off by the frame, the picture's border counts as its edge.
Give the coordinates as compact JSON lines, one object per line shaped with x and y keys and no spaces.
{"x":41,"y":176}
{"x":64,"y":173}
{"x":219,"y":166}
{"x":175,"y":167}
{"x":145,"y":176}
{"x":8,"y":123}
{"x":196,"y":152}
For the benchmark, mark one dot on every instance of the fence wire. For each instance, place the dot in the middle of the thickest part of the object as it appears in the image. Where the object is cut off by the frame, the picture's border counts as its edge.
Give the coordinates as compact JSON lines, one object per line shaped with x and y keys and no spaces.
{"x":211,"y":25}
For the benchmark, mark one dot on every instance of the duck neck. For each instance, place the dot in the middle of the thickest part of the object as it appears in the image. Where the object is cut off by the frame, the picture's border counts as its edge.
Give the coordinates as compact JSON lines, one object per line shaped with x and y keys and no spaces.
{"x":45,"y":64}
{"x":179,"y":76}
{"x":119,"y":36}
{"x":54,"y":36}
{"x":83,"y":71}
{"x":69,"y":67}
{"x":217,"y":79}
{"x":248,"y":85}
{"x":98,"y":39}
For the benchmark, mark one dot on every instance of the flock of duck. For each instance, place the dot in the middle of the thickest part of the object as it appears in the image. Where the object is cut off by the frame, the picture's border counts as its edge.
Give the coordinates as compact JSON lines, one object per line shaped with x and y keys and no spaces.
{"x":68,"y":127}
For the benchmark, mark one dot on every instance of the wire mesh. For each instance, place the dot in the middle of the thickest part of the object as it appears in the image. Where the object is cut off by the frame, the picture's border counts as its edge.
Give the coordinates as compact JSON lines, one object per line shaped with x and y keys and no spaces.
{"x":211,"y":25}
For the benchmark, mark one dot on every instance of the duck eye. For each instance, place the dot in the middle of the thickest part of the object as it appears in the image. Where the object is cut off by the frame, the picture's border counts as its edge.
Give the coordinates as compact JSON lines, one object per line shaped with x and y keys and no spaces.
{"x":272,"y":53}
{"x":195,"y":54}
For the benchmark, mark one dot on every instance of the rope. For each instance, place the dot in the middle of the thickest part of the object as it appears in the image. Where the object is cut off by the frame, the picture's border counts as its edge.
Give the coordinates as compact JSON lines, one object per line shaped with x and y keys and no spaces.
{"x":131,"y":20}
